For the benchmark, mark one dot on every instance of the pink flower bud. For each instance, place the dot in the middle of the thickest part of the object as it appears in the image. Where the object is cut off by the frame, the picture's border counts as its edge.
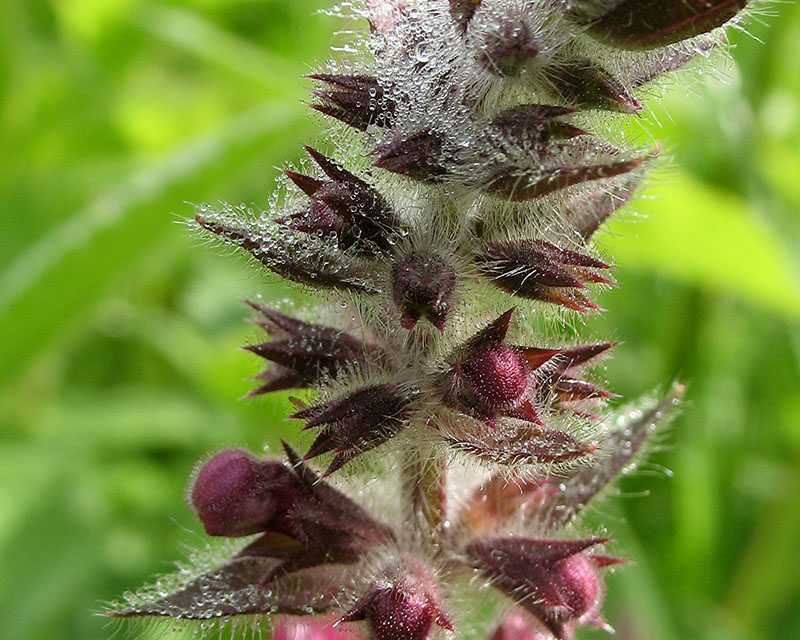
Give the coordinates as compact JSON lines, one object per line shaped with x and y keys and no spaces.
{"x":422,"y":286}
{"x":645,"y":24}
{"x":540,"y":270}
{"x":403,"y":605}
{"x":236,"y":494}
{"x":346,"y":205}
{"x":356,"y":422}
{"x":550,"y":578}
{"x":489,"y":378}
{"x":302,"y":353}
{"x":356,"y":100}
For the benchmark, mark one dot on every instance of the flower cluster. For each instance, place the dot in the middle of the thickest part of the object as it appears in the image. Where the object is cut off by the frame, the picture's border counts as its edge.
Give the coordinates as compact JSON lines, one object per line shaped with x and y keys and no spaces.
{"x":461,"y":428}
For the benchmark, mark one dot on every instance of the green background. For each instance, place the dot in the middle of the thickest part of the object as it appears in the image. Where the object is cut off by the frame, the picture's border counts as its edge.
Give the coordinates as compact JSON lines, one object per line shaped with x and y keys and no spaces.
{"x":117,"y":327}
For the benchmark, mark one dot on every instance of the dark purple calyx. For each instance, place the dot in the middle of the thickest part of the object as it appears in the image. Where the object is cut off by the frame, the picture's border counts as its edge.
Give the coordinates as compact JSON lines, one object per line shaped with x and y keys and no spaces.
{"x":304,"y":522}
{"x":356,"y":100}
{"x":518,"y":184}
{"x":540,"y":270}
{"x":402,"y":605}
{"x":586,"y":85}
{"x":345,"y":205}
{"x":534,"y":126}
{"x":419,"y":156}
{"x":303,"y":354}
{"x":356,"y":422}
{"x":646,"y":24}
{"x":506,"y":47}
{"x":422,"y":286}
{"x":553,"y":579}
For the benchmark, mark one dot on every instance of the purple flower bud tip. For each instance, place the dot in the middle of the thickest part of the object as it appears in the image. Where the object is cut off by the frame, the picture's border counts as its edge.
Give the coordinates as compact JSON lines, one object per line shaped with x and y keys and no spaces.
{"x":422,"y":286}
{"x":344,"y":204}
{"x":235,"y":494}
{"x":401,"y":607}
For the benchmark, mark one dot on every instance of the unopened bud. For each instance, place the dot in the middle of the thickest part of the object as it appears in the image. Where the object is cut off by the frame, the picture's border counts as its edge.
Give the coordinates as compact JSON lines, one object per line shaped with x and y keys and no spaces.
{"x":402,"y":605}
{"x":302,"y":353}
{"x":552,"y":579}
{"x":422,"y":286}
{"x":236,"y":494}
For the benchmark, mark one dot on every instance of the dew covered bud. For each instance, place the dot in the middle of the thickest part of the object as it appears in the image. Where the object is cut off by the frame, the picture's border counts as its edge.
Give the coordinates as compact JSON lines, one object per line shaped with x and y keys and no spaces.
{"x":506,"y":46}
{"x":402,"y":605}
{"x":519,"y":625}
{"x":356,"y":422}
{"x":422,"y":286}
{"x":356,"y":100}
{"x":552,"y":579}
{"x":235,"y":494}
{"x":345,"y":205}
{"x":645,"y":24}
{"x":540,"y":270}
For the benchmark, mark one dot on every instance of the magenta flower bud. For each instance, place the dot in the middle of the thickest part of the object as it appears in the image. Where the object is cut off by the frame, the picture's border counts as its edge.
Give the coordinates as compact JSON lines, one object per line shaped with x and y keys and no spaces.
{"x":359,"y":215}
{"x":552,"y":579}
{"x":356,"y":422}
{"x":356,"y":100}
{"x":539,"y":270}
{"x":506,"y":46}
{"x":302,"y":353}
{"x":314,"y":524}
{"x":236,"y":494}
{"x":645,"y":24}
{"x":584,"y":84}
{"x":422,"y":286}
{"x":419,"y":156}
{"x":489,"y":379}
{"x":403,"y":605}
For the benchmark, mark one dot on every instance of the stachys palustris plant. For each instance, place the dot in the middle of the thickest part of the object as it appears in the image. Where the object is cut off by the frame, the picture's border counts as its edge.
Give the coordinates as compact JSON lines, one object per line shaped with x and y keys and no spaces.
{"x":446,"y":224}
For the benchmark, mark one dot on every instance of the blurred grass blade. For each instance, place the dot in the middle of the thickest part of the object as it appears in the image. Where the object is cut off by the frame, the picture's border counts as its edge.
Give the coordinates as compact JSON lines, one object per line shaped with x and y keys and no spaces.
{"x":710,"y":238}
{"x":207,"y":41}
{"x":70,"y":268}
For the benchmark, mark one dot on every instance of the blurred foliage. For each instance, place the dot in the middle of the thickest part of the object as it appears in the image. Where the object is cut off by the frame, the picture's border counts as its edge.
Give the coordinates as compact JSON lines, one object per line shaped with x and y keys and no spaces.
{"x":117,"y":367}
